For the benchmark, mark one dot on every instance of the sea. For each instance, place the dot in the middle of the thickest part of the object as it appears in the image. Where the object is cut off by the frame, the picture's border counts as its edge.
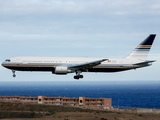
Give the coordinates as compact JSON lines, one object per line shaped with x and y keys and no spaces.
{"x":124,"y":94}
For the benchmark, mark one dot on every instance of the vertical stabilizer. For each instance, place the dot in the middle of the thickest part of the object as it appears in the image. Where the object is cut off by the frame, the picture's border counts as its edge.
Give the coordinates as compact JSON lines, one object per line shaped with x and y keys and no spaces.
{"x":142,"y":50}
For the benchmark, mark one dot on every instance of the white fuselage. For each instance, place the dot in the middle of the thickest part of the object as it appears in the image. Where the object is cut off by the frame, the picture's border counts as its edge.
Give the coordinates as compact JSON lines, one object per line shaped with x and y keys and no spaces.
{"x":50,"y":63}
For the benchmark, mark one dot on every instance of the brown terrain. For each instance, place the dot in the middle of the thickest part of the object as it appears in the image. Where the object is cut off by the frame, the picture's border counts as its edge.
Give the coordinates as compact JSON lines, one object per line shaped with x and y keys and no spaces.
{"x":22,"y":111}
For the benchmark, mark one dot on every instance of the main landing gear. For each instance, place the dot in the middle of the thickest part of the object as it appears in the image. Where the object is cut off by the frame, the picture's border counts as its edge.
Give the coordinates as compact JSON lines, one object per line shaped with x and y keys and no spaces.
{"x":77,"y":76}
{"x":14,"y":75}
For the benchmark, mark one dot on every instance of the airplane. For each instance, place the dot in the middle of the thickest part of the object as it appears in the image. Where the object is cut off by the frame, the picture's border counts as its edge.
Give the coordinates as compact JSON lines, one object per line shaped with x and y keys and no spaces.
{"x":64,"y":65}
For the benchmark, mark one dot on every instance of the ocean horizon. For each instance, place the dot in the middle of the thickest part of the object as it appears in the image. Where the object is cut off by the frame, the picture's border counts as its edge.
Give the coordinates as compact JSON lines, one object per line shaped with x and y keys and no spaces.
{"x":124,"y":94}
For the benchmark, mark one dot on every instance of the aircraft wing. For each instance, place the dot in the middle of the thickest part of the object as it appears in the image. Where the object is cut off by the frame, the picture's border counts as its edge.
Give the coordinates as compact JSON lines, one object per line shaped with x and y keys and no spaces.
{"x":87,"y":65}
{"x":144,"y":63}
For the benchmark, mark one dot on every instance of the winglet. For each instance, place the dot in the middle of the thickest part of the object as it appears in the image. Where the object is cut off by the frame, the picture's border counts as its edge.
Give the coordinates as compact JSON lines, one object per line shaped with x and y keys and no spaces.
{"x":104,"y":60}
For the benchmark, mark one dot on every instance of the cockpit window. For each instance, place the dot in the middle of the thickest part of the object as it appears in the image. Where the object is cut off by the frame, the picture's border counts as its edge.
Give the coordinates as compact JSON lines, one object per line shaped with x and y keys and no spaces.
{"x":8,"y":60}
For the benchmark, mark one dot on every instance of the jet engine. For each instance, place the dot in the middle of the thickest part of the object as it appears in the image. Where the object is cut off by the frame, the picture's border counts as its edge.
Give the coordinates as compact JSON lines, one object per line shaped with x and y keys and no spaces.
{"x":62,"y":70}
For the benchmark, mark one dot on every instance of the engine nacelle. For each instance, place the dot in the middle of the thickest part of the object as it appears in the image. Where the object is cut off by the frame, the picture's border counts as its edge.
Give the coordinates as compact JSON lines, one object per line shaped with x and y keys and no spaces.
{"x":62,"y":70}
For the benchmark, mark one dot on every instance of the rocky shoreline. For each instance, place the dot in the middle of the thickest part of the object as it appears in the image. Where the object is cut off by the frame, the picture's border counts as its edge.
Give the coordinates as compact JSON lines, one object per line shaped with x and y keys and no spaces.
{"x":20,"y":111}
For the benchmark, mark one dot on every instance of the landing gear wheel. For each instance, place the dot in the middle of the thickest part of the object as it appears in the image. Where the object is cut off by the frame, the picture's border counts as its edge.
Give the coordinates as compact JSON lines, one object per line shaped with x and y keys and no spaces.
{"x":14,"y":75}
{"x":81,"y":76}
{"x":76,"y":77}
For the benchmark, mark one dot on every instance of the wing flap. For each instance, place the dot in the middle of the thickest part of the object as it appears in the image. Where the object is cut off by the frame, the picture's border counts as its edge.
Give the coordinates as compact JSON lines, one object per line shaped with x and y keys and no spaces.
{"x":87,"y":65}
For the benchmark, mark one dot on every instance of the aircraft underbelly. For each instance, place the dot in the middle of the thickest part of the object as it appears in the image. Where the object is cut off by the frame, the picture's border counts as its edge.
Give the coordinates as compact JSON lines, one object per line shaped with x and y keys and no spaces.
{"x":31,"y":68}
{"x":51,"y":68}
{"x":108,"y":69}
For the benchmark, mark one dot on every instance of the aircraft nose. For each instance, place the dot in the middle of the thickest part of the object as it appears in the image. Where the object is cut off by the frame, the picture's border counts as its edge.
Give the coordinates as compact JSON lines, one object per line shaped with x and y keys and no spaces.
{"x":3,"y":64}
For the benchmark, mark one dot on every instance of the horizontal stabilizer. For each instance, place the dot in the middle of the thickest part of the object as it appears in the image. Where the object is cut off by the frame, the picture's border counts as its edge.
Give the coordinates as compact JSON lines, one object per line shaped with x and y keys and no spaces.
{"x":144,"y":63}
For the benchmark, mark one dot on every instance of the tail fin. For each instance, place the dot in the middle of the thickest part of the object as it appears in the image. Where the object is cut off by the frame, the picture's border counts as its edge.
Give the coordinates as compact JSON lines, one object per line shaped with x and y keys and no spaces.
{"x":142,"y":50}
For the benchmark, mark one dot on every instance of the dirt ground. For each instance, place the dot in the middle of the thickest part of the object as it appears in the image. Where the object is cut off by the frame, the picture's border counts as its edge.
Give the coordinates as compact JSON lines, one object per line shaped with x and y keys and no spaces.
{"x":19,"y":111}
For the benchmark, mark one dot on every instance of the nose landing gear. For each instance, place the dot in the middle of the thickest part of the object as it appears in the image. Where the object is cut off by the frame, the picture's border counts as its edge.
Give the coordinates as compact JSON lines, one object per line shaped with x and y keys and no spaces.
{"x":14,"y":75}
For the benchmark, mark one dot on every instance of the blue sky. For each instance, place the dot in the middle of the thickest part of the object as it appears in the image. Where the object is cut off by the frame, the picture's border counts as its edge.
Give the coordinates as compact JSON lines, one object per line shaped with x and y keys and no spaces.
{"x":78,"y":28}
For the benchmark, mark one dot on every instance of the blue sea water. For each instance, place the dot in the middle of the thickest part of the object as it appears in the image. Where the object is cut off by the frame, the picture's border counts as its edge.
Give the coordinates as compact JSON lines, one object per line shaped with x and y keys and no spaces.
{"x":125,"y":94}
